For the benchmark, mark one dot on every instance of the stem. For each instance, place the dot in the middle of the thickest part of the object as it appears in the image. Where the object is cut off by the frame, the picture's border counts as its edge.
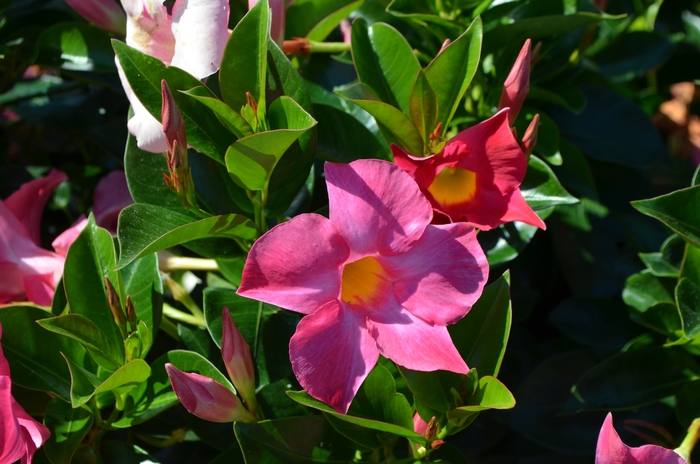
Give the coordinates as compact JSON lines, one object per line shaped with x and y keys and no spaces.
{"x":686,"y":448}
{"x":167,"y":262}
{"x":167,"y":326}
{"x":258,"y":323}
{"x":178,"y":315}
{"x":328,"y":47}
{"x":259,"y":204}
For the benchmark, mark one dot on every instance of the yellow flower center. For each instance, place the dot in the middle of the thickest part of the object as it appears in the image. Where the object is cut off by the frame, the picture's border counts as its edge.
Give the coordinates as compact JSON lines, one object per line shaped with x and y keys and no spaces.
{"x":362,"y":281}
{"x":453,"y":186}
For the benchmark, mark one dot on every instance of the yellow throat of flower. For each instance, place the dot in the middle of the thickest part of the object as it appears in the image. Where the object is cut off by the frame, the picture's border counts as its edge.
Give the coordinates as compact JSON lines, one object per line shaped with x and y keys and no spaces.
{"x":453,"y":186}
{"x":362,"y":281}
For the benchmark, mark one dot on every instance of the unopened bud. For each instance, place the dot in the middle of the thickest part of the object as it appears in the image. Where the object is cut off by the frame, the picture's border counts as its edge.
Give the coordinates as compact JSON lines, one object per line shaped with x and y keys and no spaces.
{"x":530,"y":137}
{"x":239,"y":363}
{"x":517,"y":85}
{"x":115,"y":305}
{"x":445,"y":44}
{"x":131,"y":313}
{"x":179,"y":179}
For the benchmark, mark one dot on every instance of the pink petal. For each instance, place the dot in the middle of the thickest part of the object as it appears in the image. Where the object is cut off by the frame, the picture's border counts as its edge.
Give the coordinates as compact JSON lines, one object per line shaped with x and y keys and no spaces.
{"x":413,"y":343}
{"x":27,"y":203}
{"x":200,"y":28}
{"x":296,"y":265}
{"x":63,"y":242}
{"x":148,"y":28}
{"x":11,"y":440}
{"x":34,"y":433}
{"x":419,"y":425}
{"x":39,"y":288}
{"x":105,"y":14}
{"x":442,"y":275}
{"x":332,"y":353}
{"x":517,"y":84}
{"x":376,"y":207}
{"x":611,"y":450}
{"x":519,"y":210}
{"x":111,"y":196}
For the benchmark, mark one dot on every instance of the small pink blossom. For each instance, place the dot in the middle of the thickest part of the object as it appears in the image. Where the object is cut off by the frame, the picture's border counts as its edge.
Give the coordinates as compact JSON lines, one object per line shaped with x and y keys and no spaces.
{"x":476,"y":177}
{"x":20,"y":435}
{"x":611,"y":450}
{"x":105,"y":14}
{"x":375,"y":278}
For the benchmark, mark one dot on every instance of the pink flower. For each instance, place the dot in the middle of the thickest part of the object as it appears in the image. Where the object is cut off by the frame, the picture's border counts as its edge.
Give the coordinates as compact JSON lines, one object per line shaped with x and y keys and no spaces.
{"x":20,"y":435}
{"x":517,"y":84}
{"x":376,"y":278}
{"x":476,"y":177}
{"x":29,"y":271}
{"x":611,"y":450}
{"x":192,"y":38}
{"x":105,"y":14}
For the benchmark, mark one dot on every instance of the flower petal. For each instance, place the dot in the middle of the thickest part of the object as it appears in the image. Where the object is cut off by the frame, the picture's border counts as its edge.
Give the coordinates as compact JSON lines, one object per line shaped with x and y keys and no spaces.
{"x":33,"y":432}
{"x":332,"y":353}
{"x":200,"y":28}
{"x":27,"y":203}
{"x":11,"y":440}
{"x":296,"y":265}
{"x":111,"y":196}
{"x":63,"y":242}
{"x":39,"y":288}
{"x":148,"y":28}
{"x":442,"y":275}
{"x":376,"y":207}
{"x":519,"y":210}
{"x":413,"y":343}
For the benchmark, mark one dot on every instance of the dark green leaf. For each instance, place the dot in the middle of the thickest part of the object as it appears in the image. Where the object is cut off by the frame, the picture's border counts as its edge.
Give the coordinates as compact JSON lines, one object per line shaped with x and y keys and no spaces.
{"x":633,"y":54}
{"x":688,"y":403}
{"x":658,"y":265}
{"x":228,"y":117}
{"x":541,"y":188}
{"x":326,"y":25}
{"x":427,"y":388}
{"x":189,"y":361}
{"x":377,"y":399}
{"x":688,"y":301}
{"x":423,"y":106}
{"x":142,"y":282}
{"x":75,"y":47}
{"x":678,"y":210}
{"x":311,"y":18}
{"x":490,"y":394}
{"x":644,"y":290}
{"x":68,"y":428}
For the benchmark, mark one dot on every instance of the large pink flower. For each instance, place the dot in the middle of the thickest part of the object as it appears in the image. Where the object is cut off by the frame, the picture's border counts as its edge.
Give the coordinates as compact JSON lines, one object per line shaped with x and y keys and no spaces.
{"x":476,"y":177}
{"x":20,"y":435}
{"x":611,"y":450}
{"x":376,"y":278}
{"x":192,"y":38}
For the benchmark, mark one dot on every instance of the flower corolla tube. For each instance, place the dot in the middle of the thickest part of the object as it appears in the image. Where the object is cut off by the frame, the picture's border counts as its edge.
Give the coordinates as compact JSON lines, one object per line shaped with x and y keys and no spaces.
{"x":374,"y":278}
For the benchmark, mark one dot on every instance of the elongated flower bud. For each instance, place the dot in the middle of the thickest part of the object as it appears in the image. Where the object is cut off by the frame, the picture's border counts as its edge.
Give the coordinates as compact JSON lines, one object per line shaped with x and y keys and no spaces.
{"x":180,"y":179}
{"x":115,"y":305}
{"x":207,"y":398}
{"x":239,"y":363}
{"x":530,"y":137}
{"x":517,"y":85}
{"x":105,"y":14}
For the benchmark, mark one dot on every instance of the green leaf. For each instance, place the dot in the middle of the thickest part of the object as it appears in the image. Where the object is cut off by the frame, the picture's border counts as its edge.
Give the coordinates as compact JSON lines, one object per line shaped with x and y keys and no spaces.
{"x":453,"y":69}
{"x":251,"y":160}
{"x":244,"y":63}
{"x":633,"y":54}
{"x":384,"y":62}
{"x":688,"y":301}
{"x":541,"y":188}
{"x":81,"y":329}
{"x":633,"y":379}
{"x":658,"y":265}
{"x":189,"y":361}
{"x":644,"y":290}
{"x":481,"y":336}
{"x":688,"y":403}
{"x":423,"y":106}
{"x":68,"y":428}
{"x":420,"y":12}
{"x":144,"y":73}
{"x":142,"y":282}
{"x":90,"y":259}
{"x":678,"y":210}
{"x":427,"y":387}
{"x":34,"y":354}
{"x":508,"y":240}
{"x":662,"y":317}
{"x":389,"y":116}
{"x":690,"y":264}
{"x":377,"y":399}
{"x":144,"y":229}
{"x":490,"y":394}
{"x":325,"y":26}
{"x":315,"y":20}
{"x":575,"y":171}
{"x":233,"y":121}
{"x":75,"y":47}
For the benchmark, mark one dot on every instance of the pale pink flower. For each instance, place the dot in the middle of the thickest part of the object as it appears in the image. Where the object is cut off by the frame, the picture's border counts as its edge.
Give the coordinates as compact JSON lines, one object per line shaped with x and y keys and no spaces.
{"x":20,"y":435}
{"x":375,"y":278}
{"x":105,"y":14}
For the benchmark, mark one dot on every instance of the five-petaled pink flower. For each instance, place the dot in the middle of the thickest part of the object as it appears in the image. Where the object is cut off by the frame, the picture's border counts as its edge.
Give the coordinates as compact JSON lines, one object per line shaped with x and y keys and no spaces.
{"x":375,"y":278}
{"x":20,"y":435}
{"x":476,"y":177}
{"x":611,"y":450}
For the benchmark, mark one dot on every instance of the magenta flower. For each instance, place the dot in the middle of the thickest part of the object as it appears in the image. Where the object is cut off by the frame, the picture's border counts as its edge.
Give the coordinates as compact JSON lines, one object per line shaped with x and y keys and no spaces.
{"x":375,"y":278}
{"x":611,"y":450}
{"x":20,"y":435}
{"x":476,"y":178}
{"x":105,"y":14}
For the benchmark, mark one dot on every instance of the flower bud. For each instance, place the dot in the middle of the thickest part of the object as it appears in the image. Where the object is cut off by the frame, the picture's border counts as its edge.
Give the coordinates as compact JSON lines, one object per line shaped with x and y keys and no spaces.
{"x":105,"y":14}
{"x":239,"y":363}
{"x":131,"y":314}
{"x":115,"y":305}
{"x":530,"y":137}
{"x":517,"y":85}
{"x":207,"y":398}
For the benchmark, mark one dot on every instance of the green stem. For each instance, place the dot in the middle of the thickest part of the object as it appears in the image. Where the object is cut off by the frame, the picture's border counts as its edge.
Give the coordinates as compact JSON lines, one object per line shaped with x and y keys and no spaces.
{"x":328,"y":47}
{"x":167,"y":326}
{"x":173,"y":313}
{"x":686,"y":448}
{"x":258,"y":323}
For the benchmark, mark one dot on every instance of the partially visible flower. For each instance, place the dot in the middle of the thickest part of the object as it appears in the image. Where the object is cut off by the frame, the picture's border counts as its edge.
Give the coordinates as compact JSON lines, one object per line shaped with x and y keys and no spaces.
{"x":611,"y":450}
{"x":517,"y":84}
{"x":476,"y":177}
{"x":375,"y":278}
{"x":193,"y":38}
{"x":20,"y":435}
{"x":346,"y":30}
{"x":105,"y":14}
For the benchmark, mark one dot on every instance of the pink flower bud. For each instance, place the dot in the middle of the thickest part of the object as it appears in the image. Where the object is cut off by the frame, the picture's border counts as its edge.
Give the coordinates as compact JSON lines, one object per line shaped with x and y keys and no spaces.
{"x":239,"y":363}
{"x":517,"y":84}
{"x":173,"y":124}
{"x":207,"y":398}
{"x":530,"y":137}
{"x":105,"y":14}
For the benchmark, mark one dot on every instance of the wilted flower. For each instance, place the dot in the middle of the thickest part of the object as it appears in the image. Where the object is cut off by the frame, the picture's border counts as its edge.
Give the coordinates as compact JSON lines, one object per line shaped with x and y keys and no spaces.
{"x":375,"y":278}
{"x":105,"y":14}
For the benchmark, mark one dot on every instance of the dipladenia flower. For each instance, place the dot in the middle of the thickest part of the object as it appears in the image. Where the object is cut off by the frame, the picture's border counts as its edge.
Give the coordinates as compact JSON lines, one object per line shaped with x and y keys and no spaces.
{"x":192,"y":38}
{"x":20,"y":435}
{"x":476,"y":177}
{"x":374,"y":278}
{"x":611,"y":450}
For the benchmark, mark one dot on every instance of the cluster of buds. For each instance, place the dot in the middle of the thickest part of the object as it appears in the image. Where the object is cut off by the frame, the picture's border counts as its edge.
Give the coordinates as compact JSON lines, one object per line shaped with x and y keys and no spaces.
{"x":180,"y":178}
{"x":136,"y":336}
{"x":429,"y":430}
{"x":210,"y":400}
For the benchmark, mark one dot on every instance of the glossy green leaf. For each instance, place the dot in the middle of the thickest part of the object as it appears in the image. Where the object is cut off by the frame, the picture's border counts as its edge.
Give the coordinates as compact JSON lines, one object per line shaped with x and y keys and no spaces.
{"x":385,"y":62}
{"x":633,"y":379}
{"x":658,"y":265}
{"x":325,"y":26}
{"x":144,"y":229}
{"x":481,"y":336}
{"x":68,"y":428}
{"x":427,"y":388}
{"x":453,"y":69}
{"x":233,"y":121}
{"x":81,"y":329}
{"x":377,"y":399}
{"x":244,"y":64}
{"x":490,"y":394}
{"x":541,"y":188}
{"x":678,"y":210}
{"x":421,"y":12}
{"x":508,"y":240}
{"x":644,"y":290}
{"x":142,"y":282}
{"x":389,"y":116}
{"x":690,"y":264}
{"x":144,"y":73}
{"x":423,"y":106}
{"x":90,"y":259}
{"x":189,"y":361}
{"x":311,"y":18}
{"x":75,"y":47}
{"x":688,"y":301}
{"x":663,"y":317}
